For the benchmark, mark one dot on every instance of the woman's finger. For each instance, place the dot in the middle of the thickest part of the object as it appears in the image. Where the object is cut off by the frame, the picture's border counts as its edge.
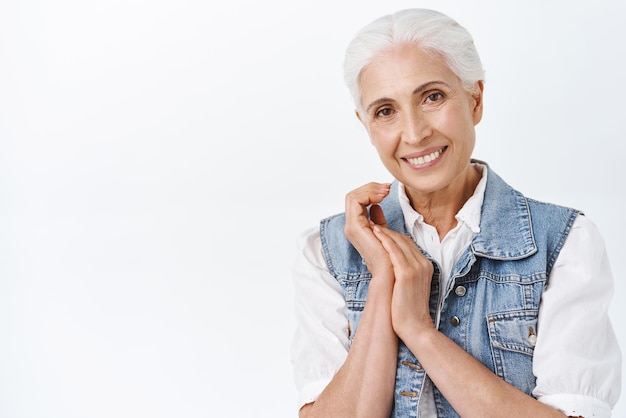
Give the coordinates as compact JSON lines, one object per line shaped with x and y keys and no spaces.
{"x":359,"y":199}
{"x":358,"y":229}
{"x":357,"y":202}
{"x":377,"y":216}
{"x":403,"y":252}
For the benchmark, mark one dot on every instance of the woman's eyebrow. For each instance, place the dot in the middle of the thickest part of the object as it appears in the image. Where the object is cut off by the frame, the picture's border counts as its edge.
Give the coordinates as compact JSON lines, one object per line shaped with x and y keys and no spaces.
{"x":428,"y":85}
{"x":377,"y":102}
{"x":418,"y":90}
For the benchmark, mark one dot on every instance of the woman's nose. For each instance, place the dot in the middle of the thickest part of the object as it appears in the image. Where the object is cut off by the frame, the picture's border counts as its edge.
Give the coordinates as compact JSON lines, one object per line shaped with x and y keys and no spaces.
{"x":416,"y":129}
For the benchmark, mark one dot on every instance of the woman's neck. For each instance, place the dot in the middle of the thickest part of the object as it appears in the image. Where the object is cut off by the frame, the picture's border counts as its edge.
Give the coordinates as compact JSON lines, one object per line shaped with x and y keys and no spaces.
{"x":439,"y":208}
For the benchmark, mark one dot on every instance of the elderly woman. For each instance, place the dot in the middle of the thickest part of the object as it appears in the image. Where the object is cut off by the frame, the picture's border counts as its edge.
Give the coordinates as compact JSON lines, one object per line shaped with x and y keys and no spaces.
{"x":446,"y":293}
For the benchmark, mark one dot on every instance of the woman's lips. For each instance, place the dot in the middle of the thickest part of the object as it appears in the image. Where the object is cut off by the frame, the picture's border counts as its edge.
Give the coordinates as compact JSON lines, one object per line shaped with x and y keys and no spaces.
{"x":425,"y":159}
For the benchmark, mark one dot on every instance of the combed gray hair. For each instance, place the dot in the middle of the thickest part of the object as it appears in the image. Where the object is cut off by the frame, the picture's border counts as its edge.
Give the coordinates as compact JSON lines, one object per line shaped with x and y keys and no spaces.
{"x":431,"y":30}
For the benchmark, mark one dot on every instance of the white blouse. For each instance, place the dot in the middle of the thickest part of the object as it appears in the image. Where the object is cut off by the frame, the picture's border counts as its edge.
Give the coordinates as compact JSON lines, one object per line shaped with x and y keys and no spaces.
{"x":577,"y":359}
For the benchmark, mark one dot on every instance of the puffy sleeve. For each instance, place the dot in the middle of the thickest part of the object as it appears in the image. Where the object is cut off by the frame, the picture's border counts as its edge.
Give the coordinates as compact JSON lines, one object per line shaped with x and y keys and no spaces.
{"x":577,"y":358}
{"x":320,"y":343}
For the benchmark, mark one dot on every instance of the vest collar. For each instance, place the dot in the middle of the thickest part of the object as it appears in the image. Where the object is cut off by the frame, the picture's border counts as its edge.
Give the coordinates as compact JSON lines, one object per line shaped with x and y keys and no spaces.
{"x":505,"y":223}
{"x":506,"y":231}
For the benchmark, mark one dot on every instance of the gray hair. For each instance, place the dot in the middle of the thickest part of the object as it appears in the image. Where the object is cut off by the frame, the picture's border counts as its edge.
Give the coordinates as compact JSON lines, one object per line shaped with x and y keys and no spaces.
{"x":433,"y":31}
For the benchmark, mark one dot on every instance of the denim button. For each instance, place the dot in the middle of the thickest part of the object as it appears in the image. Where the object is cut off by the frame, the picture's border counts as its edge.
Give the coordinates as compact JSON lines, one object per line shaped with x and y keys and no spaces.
{"x":455,"y":321}
{"x":532,"y":337}
{"x":412,"y":365}
{"x":460,"y":291}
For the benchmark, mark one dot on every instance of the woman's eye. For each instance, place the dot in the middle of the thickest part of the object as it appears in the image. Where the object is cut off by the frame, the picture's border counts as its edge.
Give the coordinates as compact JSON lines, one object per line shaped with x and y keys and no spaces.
{"x":433,"y":97}
{"x":384,"y":112}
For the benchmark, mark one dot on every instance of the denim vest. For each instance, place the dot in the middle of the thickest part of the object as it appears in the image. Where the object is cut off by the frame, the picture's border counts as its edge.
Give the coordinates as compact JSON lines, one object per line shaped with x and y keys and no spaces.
{"x":490,"y":305}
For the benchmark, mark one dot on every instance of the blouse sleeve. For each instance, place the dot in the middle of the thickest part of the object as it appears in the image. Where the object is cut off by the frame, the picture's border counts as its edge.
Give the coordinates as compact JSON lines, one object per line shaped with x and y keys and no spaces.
{"x":577,"y":358}
{"x":320,"y":343}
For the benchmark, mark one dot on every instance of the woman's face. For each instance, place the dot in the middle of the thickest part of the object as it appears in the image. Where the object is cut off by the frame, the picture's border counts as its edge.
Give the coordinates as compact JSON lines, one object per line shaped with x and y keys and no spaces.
{"x":420,"y":119}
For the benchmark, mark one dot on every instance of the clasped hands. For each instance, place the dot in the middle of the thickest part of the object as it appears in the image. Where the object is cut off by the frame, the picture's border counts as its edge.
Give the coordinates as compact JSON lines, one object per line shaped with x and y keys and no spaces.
{"x":397,"y":265}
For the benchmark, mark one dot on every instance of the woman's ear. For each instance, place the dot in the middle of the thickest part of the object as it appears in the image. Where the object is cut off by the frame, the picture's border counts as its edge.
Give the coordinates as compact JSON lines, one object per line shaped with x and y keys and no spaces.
{"x":477,"y":97}
{"x":363,"y":119}
{"x":359,"y":116}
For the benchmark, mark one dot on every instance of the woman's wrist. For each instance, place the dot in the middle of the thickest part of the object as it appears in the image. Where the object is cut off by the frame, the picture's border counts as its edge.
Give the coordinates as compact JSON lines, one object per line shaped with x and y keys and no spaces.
{"x":419,"y":329}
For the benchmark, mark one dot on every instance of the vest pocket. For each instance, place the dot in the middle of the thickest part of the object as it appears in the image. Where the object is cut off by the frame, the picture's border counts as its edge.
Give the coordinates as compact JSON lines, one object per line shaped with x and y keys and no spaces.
{"x":512,"y":336}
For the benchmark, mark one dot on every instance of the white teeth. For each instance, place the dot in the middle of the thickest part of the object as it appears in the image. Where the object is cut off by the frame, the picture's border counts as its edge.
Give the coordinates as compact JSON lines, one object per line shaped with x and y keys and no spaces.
{"x":426,"y":158}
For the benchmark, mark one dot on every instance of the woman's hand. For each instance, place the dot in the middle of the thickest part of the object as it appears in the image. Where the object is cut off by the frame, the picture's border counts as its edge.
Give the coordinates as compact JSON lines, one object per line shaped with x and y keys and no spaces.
{"x":358,"y":228}
{"x":413,"y":275}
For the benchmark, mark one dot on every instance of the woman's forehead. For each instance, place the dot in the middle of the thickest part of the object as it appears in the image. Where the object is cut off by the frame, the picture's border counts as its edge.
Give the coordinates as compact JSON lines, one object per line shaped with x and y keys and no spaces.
{"x":394,"y":71}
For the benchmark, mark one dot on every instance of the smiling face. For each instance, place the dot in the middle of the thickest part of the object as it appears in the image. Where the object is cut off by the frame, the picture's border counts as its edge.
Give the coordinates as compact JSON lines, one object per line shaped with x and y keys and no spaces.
{"x":420,"y":119}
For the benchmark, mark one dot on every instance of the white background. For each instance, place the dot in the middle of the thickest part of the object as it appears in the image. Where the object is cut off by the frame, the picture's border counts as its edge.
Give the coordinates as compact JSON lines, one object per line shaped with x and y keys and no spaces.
{"x":159,"y":158}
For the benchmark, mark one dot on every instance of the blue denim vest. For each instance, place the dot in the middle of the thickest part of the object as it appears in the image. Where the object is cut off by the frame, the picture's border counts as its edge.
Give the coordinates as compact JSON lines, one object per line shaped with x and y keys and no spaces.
{"x":490,"y":305}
